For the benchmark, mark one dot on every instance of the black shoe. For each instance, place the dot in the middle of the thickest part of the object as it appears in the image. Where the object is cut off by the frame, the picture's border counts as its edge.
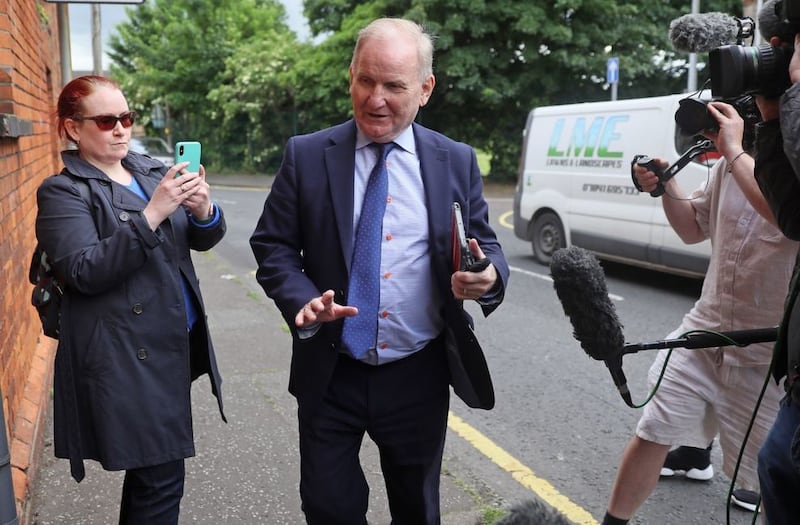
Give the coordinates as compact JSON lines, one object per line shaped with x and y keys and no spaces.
{"x":746,"y":499}
{"x":695,"y":463}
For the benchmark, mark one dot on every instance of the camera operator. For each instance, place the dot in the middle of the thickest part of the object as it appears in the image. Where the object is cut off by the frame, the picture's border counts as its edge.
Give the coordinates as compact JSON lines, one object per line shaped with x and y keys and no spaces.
{"x":777,"y":169}
{"x":705,"y":391}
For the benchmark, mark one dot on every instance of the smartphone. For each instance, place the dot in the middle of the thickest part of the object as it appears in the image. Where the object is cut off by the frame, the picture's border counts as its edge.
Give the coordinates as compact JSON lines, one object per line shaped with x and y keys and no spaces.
{"x":188,"y":151}
{"x":462,"y":258}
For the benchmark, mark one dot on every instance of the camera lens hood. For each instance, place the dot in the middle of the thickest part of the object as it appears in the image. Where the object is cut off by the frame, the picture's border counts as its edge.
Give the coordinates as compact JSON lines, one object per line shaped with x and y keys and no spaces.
{"x":692,"y":116}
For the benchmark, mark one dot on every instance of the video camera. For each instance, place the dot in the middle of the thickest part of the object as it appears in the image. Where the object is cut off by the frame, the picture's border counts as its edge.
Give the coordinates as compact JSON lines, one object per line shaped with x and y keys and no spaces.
{"x":764,"y":69}
{"x":692,"y":116}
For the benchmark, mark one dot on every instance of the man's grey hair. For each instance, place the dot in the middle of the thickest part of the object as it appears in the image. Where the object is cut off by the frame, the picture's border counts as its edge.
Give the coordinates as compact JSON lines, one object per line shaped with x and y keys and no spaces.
{"x":386,"y":27}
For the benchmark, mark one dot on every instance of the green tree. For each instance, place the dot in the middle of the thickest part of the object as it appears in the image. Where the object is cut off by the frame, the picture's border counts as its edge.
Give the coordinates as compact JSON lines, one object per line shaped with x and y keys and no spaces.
{"x":256,"y":100}
{"x":233,"y":74}
{"x":188,"y":55}
{"x":497,"y":59}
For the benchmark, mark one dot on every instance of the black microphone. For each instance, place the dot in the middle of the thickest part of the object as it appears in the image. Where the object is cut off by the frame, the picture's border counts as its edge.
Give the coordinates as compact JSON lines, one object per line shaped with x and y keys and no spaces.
{"x":581,"y":287}
{"x":702,"y":32}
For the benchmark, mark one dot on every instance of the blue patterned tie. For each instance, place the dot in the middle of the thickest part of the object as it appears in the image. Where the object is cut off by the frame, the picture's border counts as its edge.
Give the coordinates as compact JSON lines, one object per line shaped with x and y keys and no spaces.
{"x":361,"y":331}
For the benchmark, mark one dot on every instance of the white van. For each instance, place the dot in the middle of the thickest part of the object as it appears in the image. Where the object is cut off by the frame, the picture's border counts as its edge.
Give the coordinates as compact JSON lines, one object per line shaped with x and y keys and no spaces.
{"x":575,"y":186}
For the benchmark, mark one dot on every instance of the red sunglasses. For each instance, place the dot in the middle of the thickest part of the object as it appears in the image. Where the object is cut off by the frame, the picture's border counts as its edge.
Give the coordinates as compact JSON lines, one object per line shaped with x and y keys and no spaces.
{"x":109,"y":122}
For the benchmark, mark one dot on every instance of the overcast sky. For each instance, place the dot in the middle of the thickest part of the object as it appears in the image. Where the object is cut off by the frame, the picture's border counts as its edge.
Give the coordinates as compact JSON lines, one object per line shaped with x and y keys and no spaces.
{"x":80,"y":27}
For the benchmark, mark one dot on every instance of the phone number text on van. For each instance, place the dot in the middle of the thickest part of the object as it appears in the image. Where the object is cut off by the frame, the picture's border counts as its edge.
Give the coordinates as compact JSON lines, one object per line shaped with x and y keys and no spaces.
{"x":610,"y":188}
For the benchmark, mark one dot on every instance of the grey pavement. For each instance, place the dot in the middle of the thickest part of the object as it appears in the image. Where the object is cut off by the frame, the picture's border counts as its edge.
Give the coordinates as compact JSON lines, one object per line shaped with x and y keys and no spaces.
{"x":240,"y":180}
{"x":245,"y":471}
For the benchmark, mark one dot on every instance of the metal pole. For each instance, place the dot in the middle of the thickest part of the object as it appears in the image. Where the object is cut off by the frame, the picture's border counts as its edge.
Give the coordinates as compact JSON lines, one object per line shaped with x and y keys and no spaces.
{"x":8,"y":505}
{"x":168,"y":125}
{"x":691,"y":81}
{"x":97,"y":43}
{"x":759,"y":38}
{"x":62,"y":13}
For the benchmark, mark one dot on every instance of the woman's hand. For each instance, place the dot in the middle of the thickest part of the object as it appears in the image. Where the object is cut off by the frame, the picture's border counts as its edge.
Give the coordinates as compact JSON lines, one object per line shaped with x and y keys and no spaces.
{"x":176,"y":188}
{"x":198,"y":199}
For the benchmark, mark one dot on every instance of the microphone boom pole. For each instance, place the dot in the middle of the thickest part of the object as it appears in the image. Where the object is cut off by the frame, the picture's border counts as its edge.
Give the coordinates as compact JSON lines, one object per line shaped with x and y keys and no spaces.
{"x":707,"y":339}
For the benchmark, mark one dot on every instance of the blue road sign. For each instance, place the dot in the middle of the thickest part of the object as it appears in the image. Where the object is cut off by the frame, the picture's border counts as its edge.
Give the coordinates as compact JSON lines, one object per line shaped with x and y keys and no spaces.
{"x":612,"y":70}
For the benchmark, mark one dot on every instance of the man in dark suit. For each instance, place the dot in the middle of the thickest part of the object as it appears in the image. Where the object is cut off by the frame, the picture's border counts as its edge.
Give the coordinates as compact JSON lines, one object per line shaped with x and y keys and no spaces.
{"x":384,"y":367}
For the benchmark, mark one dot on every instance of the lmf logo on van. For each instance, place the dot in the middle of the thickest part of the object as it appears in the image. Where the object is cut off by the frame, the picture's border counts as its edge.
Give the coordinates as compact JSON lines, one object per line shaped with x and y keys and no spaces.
{"x":586,"y":146}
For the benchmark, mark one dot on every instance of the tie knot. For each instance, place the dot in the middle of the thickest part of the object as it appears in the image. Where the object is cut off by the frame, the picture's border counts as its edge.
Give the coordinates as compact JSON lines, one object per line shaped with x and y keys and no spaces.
{"x":384,"y":149}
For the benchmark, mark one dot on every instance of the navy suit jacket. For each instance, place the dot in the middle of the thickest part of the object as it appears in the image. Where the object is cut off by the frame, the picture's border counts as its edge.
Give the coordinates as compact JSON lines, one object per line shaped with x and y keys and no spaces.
{"x":303,"y":244}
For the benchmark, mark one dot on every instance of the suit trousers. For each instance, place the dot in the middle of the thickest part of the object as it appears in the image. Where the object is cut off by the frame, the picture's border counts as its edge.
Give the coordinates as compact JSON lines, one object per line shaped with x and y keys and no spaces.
{"x":403,"y":407}
{"x":152,"y":495}
{"x":779,"y":466}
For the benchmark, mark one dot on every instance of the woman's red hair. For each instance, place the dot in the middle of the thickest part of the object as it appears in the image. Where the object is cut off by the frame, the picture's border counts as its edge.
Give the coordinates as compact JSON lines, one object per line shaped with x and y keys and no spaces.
{"x":72,"y":95}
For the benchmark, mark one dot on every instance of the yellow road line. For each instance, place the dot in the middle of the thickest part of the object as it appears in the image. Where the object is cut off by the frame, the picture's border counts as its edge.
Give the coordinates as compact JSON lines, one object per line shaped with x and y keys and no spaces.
{"x":520,"y":472}
{"x":505,"y":220}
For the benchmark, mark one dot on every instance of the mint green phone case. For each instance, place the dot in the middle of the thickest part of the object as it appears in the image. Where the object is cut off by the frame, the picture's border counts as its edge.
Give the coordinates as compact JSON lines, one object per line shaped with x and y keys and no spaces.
{"x":188,"y":151}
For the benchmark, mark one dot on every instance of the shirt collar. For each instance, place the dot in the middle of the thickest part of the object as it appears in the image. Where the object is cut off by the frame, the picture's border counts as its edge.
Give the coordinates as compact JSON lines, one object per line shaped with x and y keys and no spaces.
{"x":405,"y":140}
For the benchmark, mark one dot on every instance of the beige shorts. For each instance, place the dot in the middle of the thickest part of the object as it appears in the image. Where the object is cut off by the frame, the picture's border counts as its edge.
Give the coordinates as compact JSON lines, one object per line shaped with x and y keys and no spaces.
{"x":699,"y":396}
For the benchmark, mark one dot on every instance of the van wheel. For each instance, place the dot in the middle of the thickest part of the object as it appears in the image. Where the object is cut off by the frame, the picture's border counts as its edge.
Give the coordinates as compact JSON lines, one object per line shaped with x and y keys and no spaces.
{"x":548,"y":236}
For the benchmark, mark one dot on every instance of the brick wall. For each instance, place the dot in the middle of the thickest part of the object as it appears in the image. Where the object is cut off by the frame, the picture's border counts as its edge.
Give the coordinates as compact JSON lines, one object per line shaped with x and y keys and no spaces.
{"x":30,"y":78}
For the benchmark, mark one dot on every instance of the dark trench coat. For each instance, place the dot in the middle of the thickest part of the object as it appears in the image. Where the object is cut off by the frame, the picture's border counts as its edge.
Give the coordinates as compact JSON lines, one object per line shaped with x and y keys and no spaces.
{"x":124,"y":364}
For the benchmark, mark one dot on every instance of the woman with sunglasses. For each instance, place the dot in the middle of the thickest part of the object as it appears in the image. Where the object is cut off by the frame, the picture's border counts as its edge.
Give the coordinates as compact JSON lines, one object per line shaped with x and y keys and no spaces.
{"x":118,"y":226}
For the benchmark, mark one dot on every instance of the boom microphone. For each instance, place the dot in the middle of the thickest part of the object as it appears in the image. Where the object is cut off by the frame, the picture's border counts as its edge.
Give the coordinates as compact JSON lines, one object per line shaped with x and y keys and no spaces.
{"x":700,"y":33}
{"x":581,"y":287}
{"x":533,"y":512}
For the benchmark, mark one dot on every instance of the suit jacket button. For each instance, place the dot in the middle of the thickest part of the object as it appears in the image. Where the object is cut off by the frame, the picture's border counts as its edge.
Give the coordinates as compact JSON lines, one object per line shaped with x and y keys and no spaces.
{"x":141,"y":354}
{"x":124,"y":217}
{"x":138,"y":308}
